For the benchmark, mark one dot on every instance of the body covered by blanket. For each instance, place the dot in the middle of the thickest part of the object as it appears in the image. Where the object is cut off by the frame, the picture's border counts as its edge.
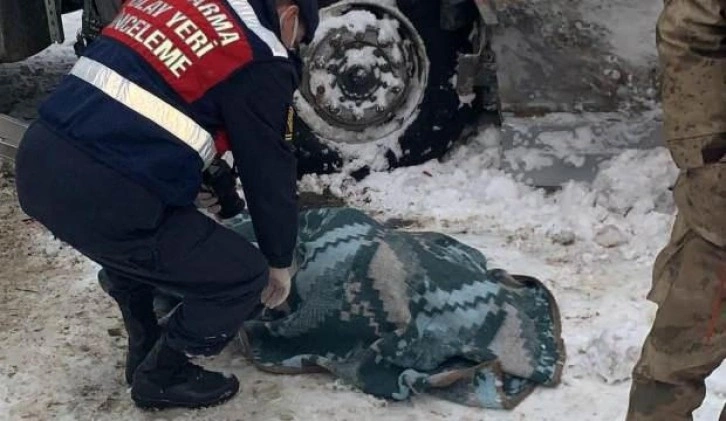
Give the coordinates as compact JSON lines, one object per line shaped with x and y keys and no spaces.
{"x":395,"y":313}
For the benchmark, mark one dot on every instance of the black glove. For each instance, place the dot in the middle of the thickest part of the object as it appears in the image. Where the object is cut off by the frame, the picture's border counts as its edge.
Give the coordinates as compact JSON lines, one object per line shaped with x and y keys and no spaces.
{"x":221,"y":180}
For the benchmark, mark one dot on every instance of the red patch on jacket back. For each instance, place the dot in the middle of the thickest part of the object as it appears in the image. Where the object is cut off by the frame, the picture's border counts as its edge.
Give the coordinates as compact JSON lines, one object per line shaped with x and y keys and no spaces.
{"x":193,"y":44}
{"x":221,"y":142}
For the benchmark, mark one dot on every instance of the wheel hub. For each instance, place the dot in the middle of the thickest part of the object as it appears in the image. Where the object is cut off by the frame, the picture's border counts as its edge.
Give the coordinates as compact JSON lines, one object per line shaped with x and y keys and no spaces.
{"x":363,"y":71}
{"x":359,"y":83}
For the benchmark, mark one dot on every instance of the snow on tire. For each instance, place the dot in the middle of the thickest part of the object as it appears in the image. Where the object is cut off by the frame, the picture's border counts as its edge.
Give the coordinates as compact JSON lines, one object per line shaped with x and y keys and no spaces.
{"x":378,"y":89}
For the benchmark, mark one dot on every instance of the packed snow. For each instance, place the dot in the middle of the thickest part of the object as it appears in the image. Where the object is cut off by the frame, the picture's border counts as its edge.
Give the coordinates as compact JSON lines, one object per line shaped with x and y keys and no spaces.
{"x":593,"y":244}
{"x":358,"y":21}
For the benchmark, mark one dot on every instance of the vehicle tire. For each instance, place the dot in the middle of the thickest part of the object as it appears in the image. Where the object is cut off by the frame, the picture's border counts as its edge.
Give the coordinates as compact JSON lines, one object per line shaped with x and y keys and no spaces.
{"x":107,"y":10}
{"x":96,"y":15}
{"x":368,"y":54}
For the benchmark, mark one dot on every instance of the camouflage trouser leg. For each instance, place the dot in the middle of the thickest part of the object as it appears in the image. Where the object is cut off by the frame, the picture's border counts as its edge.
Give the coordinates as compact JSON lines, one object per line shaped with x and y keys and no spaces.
{"x":684,"y":346}
{"x":686,"y":342}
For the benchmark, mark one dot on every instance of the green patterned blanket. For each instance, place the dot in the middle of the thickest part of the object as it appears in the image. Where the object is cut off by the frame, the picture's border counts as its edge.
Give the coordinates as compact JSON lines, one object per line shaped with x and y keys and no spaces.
{"x":396,"y":313}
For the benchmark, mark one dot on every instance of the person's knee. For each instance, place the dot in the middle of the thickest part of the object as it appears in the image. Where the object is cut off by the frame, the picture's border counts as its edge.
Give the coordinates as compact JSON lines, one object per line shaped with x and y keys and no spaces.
{"x":105,"y":281}
{"x":243,"y":287}
{"x":250,"y":286}
{"x":255,"y":277}
{"x":656,"y":401}
{"x":119,"y":286}
{"x":667,"y":360}
{"x":663,"y":390}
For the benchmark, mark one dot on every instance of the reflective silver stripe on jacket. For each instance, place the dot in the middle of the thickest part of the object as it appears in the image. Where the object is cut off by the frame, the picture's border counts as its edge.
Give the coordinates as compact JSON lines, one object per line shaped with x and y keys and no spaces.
{"x":245,"y":11}
{"x":148,"y":105}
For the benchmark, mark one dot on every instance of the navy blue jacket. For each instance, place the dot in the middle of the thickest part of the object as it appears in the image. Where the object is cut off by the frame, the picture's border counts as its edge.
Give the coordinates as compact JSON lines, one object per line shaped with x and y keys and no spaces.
{"x":172,"y":83}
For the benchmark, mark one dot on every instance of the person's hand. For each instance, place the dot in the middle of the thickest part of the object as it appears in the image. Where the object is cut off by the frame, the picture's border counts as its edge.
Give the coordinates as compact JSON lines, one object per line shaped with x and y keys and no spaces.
{"x":277,"y":289}
{"x":208,"y":201}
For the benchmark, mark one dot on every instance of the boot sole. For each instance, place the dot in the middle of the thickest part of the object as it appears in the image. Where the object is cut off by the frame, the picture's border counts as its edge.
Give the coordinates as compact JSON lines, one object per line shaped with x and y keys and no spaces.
{"x":154,"y":404}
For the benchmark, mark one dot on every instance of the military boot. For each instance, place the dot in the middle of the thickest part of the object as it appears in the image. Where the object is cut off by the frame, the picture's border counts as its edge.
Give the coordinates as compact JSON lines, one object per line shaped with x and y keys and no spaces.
{"x":136,"y":303}
{"x":167,"y":379}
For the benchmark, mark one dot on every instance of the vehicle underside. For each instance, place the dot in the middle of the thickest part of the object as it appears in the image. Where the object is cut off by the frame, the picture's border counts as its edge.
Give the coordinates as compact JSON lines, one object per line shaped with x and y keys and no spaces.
{"x":411,"y":78}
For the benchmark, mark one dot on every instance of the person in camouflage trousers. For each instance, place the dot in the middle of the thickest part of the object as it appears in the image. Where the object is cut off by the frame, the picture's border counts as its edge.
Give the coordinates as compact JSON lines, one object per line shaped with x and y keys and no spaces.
{"x":688,"y":338}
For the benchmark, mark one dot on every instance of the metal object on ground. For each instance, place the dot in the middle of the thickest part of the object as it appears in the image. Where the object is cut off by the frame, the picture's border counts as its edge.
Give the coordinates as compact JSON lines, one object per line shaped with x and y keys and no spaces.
{"x":11,"y":132}
{"x":477,"y":72}
{"x":553,"y":149}
{"x":55,"y":24}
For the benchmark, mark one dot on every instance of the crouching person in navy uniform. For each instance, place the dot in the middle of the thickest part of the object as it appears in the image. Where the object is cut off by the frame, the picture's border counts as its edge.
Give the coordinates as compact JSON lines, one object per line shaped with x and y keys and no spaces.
{"x":115,"y":162}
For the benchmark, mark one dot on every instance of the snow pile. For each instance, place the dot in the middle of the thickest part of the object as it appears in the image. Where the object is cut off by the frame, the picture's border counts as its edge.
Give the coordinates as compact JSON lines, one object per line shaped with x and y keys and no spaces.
{"x":563,"y":145}
{"x":629,"y":202}
{"x":624,"y":187}
{"x":531,"y":145}
{"x":612,"y":354}
{"x":359,"y":21}
{"x":635,"y":187}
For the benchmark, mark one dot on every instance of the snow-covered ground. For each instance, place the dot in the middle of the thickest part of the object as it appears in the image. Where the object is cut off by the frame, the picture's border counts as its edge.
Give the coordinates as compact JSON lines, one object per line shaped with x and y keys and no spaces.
{"x":61,"y":340}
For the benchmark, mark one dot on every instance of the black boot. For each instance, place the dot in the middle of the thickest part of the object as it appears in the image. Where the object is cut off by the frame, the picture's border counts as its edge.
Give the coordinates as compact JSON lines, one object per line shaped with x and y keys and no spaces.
{"x":136,"y":303}
{"x":167,"y":379}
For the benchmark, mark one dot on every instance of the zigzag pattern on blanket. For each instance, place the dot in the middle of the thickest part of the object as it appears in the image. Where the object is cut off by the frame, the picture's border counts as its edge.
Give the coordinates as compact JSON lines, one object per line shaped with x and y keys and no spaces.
{"x":395,"y":312}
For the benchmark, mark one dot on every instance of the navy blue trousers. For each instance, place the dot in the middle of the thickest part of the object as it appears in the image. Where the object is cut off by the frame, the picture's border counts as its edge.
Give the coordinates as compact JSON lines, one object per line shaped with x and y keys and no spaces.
{"x":141,"y":243}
